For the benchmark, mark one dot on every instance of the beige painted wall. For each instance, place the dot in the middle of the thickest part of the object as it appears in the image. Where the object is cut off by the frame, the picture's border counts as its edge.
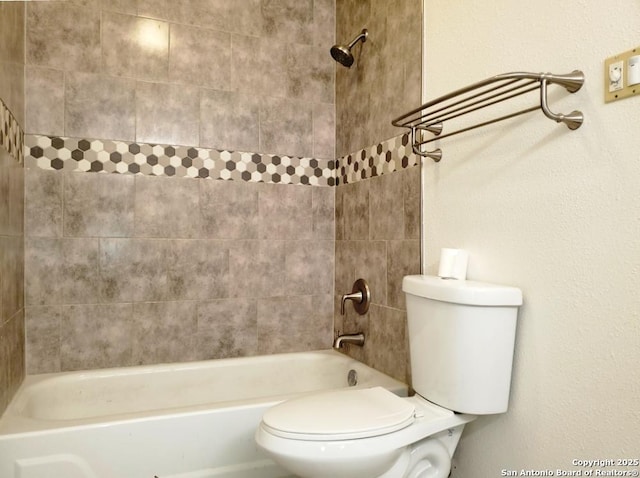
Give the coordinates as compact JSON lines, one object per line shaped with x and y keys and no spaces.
{"x":554,"y":212}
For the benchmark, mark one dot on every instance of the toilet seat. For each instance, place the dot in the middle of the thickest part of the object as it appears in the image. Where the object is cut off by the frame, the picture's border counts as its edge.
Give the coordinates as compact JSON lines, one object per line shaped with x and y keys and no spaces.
{"x":340,"y":415}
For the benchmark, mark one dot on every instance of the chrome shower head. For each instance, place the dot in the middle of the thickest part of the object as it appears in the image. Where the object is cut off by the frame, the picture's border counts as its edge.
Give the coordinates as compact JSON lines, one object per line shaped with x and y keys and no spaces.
{"x":342,"y":54}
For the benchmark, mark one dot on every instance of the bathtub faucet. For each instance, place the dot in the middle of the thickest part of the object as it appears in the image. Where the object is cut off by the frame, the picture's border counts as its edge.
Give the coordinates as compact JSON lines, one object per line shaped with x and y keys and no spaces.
{"x":355,"y":339}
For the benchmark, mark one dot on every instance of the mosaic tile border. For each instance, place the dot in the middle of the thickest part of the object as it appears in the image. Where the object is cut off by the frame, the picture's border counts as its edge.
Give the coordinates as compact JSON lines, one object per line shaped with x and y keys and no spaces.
{"x":108,"y":156}
{"x":11,"y":134}
{"x":122,"y":157}
{"x":383,"y":158}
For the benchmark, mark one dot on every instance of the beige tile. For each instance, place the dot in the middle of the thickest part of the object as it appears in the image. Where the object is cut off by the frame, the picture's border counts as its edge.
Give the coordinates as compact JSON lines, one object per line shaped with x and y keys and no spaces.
{"x":167,"y":207}
{"x":11,"y":283}
{"x":229,"y":209}
{"x":44,"y":101}
{"x":229,"y":120}
{"x":386,"y":207}
{"x":309,"y":267}
{"x":285,"y":324}
{"x":61,"y":271}
{"x":347,"y":253}
{"x":227,"y":328}
{"x":12,"y":194}
{"x":12,"y":88}
{"x":371,"y":265}
{"x":43,"y":271}
{"x":386,"y":347}
{"x":324,"y":23}
{"x":174,"y":120}
{"x":64,"y":36}
{"x":98,"y":205}
{"x":6,"y":162}
{"x":42,"y":325}
{"x":122,"y":6}
{"x":96,"y":336}
{"x":12,"y":366}
{"x":200,"y":57}
{"x":197,"y":270}
{"x":253,"y":61}
{"x":288,"y":20}
{"x":164,"y":332}
{"x":43,"y":203}
{"x":286,"y":127}
{"x":310,"y":73}
{"x":323,"y":206}
{"x":99,"y":107}
{"x":356,"y":207}
{"x":154,"y":8}
{"x":324,"y":131}
{"x":339,"y":214}
{"x":225,"y":15}
{"x":411,"y":188}
{"x":12,"y":23}
{"x":135,"y":47}
{"x":284,"y":212}
{"x":403,"y":258}
{"x":256,"y":268}
{"x":133,"y":270}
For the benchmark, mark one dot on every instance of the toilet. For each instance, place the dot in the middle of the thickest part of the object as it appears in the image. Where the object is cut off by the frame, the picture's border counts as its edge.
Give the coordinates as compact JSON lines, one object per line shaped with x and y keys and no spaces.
{"x":461,"y":339}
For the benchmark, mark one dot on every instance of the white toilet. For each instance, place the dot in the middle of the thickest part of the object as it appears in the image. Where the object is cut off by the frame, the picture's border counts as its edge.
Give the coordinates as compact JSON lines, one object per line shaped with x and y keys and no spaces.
{"x":461,"y":336}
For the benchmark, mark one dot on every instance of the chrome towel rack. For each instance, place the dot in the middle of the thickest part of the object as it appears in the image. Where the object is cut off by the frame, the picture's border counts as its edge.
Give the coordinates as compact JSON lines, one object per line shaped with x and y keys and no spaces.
{"x":431,"y":116}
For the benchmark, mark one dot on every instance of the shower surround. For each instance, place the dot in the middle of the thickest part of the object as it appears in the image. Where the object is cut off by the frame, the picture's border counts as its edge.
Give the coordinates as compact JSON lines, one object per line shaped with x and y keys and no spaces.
{"x":215,"y":236}
{"x":162,"y":262}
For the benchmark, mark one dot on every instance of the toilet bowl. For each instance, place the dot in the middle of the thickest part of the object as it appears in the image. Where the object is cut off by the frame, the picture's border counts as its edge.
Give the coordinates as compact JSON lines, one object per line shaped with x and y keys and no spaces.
{"x":361,"y":433}
{"x":461,"y":340}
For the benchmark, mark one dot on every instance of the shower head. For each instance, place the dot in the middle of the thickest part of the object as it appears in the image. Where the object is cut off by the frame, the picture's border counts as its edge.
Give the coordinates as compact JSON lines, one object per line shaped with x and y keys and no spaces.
{"x":342,"y":54}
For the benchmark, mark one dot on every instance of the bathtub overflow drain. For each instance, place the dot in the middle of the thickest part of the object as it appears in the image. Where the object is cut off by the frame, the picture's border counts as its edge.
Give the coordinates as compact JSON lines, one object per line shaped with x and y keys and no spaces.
{"x":352,"y":378}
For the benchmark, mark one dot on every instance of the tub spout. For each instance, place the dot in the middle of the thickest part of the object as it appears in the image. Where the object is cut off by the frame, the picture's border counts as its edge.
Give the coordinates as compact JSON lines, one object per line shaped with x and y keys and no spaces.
{"x":355,"y":339}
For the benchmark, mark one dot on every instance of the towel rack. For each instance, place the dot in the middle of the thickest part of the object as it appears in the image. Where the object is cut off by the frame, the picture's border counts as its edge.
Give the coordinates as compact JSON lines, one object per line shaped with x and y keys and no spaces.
{"x":431,"y":116}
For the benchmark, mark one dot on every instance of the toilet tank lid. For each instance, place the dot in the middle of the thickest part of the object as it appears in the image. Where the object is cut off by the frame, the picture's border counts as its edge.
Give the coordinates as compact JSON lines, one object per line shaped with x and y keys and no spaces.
{"x":461,"y":291}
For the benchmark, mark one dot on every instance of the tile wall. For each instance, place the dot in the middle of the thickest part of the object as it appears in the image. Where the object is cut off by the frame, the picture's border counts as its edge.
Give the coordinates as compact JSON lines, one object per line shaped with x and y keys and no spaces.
{"x":126,"y":270}
{"x":249,"y":76}
{"x":378,"y":187}
{"x":378,"y":239}
{"x":385,"y":80}
{"x":92,"y":273}
{"x":12,"y":332}
{"x":163,"y":263}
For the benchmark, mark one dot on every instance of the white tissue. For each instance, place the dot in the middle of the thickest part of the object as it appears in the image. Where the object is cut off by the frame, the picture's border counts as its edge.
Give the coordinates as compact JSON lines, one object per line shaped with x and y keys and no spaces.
{"x":453,"y":264}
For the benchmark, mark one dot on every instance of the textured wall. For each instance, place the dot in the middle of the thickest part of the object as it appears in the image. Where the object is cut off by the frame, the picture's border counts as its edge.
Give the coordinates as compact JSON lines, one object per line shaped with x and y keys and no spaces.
{"x":554,"y":212}
{"x":249,"y":76}
{"x":124,"y":270}
{"x":11,"y":199}
{"x":384,"y":81}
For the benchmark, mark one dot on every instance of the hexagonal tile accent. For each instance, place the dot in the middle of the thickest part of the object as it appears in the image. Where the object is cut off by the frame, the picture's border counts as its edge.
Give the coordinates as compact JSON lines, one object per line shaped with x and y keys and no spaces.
{"x":122,"y":157}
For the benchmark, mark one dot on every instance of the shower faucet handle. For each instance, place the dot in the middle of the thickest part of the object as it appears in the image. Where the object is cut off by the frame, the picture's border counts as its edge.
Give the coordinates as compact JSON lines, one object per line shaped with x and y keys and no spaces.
{"x":360,"y":295}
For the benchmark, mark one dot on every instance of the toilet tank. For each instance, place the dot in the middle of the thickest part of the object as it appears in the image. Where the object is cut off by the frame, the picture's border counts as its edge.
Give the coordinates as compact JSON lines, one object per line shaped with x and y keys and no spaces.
{"x":461,"y":338}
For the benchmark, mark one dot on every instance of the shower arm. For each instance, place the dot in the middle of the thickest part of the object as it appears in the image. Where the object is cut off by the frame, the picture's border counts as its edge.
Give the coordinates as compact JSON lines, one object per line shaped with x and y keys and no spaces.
{"x":430,"y":117}
{"x":361,"y":36}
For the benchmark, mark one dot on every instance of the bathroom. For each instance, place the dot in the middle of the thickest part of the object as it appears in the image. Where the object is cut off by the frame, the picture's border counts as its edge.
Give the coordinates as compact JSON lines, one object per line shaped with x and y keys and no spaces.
{"x":551,"y":211}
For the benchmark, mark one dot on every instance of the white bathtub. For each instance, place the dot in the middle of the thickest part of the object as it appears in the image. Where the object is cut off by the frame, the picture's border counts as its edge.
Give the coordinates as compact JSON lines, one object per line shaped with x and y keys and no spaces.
{"x":192,"y":420}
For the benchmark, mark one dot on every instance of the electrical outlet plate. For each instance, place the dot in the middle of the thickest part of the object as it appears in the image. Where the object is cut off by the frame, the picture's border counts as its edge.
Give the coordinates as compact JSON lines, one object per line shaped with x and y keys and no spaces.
{"x":620,"y":89}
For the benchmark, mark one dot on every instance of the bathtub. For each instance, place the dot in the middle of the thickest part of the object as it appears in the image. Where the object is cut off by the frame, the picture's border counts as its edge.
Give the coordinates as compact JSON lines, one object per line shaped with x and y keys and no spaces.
{"x":191,"y":420}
